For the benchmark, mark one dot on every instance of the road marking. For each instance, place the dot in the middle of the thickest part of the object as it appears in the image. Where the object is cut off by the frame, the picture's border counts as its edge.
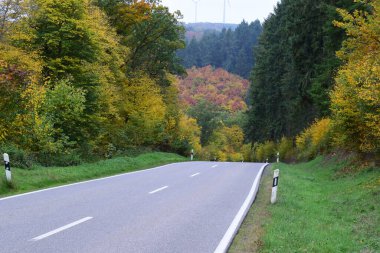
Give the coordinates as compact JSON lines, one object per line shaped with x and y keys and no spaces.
{"x":214,"y":166}
{"x":84,"y":182}
{"x":60,"y":229}
{"x":196,"y":174}
{"x":233,"y":228}
{"x":159,"y":189}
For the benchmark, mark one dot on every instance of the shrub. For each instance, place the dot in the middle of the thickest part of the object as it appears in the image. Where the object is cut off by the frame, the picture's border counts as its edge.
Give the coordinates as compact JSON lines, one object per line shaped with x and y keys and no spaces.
{"x":235,"y":157}
{"x":69,"y":159}
{"x":286,"y":149}
{"x":264,"y":151}
{"x":247,"y":152}
{"x":18,"y":157}
{"x":314,"y":140}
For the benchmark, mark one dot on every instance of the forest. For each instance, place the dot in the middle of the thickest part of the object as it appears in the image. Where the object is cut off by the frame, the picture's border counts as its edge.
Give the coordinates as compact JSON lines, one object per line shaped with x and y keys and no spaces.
{"x":230,"y":49}
{"x":315,"y":86}
{"x":83,"y":79}
{"x":215,"y":100}
{"x":92,"y":79}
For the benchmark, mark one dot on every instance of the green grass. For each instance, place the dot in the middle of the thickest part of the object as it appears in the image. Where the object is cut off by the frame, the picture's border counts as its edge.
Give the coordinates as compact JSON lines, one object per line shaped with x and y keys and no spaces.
{"x":43,"y":177}
{"x":323,"y":206}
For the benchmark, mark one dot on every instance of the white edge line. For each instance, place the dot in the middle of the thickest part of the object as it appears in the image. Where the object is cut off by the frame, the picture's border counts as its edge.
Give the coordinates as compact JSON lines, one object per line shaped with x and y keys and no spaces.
{"x":87,"y":181}
{"x":55,"y":231}
{"x":234,"y":227}
{"x":159,"y":189}
{"x":196,"y":174}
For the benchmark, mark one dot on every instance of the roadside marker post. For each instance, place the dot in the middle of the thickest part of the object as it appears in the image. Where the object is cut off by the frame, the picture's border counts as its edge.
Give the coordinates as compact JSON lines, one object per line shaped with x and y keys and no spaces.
{"x":273,"y":198}
{"x":8,"y":173}
{"x":192,"y":154}
{"x":278,"y":157}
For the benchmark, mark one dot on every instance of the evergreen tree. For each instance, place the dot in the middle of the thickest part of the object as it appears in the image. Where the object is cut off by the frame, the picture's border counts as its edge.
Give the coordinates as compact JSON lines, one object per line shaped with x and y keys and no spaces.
{"x":295,"y":65}
{"x":228,"y":49}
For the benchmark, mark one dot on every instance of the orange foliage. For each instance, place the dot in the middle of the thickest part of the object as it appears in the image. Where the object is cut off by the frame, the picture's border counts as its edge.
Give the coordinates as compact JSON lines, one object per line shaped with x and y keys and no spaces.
{"x":215,"y":85}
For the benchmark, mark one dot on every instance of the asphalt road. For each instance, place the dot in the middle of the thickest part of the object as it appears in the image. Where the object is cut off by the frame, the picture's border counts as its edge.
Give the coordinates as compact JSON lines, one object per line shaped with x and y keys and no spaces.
{"x":183,"y":207}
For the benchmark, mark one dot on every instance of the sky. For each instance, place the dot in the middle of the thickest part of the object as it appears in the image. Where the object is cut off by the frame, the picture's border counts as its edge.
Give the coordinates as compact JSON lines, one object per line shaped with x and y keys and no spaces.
{"x":212,"y":10}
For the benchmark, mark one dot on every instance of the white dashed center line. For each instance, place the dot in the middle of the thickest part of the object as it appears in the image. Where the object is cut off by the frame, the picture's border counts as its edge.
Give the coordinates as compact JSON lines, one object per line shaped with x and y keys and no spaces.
{"x":55,"y":231}
{"x":159,"y":189}
{"x":214,"y":166}
{"x":196,"y":174}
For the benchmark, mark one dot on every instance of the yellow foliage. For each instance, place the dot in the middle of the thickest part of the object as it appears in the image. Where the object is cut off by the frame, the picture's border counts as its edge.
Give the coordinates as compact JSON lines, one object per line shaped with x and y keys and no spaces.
{"x":235,"y":157}
{"x":286,"y":149}
{"x":190,"y":131}
{"x":247,"y":152}
{"x":144,"y":111}
{"x":228,"y":138}
{"x":264,"y":151}
{"x":109,"y":59}
{"x":315,"y":139}
{"x":356,"y":97}
{"x":221,"y":156}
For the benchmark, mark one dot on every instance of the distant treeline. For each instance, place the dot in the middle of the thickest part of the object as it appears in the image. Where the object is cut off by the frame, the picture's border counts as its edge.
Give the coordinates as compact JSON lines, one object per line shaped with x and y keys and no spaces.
{"x":229,"y":49}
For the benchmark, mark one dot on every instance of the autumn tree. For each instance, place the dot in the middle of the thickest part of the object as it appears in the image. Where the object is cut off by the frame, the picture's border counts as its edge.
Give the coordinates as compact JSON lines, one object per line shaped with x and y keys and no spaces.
{"x":144,"y":113}
{"x":152,"y":34}
{"x":225,"y":143}
{"x":356,"y":97}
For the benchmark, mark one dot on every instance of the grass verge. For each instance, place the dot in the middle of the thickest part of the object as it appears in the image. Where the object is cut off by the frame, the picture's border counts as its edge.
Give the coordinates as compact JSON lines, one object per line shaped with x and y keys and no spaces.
{"x":320,"y":208}
{"x":44,"y":177}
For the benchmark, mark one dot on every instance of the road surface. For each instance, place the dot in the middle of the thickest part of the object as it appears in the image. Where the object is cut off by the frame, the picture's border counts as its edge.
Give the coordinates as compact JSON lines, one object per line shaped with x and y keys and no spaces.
{"x":182,"y":207}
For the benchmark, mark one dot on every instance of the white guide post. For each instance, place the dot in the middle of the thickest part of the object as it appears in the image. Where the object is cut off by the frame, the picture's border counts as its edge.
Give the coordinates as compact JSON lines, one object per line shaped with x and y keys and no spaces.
{"x":278,"y":157}
{"x":192,"y":154}
{"x":273,"y":198}
{"x":8,"y":173}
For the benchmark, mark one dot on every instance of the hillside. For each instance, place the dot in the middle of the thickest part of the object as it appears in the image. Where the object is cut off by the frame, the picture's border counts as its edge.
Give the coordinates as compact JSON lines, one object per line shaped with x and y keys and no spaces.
{"x":197,"y":30}
{"x":230,"y":49}
{"x":214,"y":85}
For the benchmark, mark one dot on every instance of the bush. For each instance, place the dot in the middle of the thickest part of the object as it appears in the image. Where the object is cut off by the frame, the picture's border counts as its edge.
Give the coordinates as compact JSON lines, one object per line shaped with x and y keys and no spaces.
{"x":62,"y":160}
{"x":264,"y":151}
{"x":314,"y":140}
{"x":286,"y":150}
{"x":247,"y":152}
{"x":235,"y":157}
{"x":18,"y":157}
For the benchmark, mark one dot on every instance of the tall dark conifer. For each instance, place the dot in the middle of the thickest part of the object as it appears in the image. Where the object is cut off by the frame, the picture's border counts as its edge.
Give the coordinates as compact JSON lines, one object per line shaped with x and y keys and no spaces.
{"x":295,"y":67}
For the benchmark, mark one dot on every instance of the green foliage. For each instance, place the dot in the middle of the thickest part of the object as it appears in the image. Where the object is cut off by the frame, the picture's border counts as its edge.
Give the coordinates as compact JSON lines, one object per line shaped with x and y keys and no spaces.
{"x":64,"y":106}
{"x":19,"y":158}
{"x":295,"y":68}
{"x":208,"y":116}
{"x":152,"y":34}
{"x":77,"y":82}
{"x":63,"y":38}
{"x":229,"y":49}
